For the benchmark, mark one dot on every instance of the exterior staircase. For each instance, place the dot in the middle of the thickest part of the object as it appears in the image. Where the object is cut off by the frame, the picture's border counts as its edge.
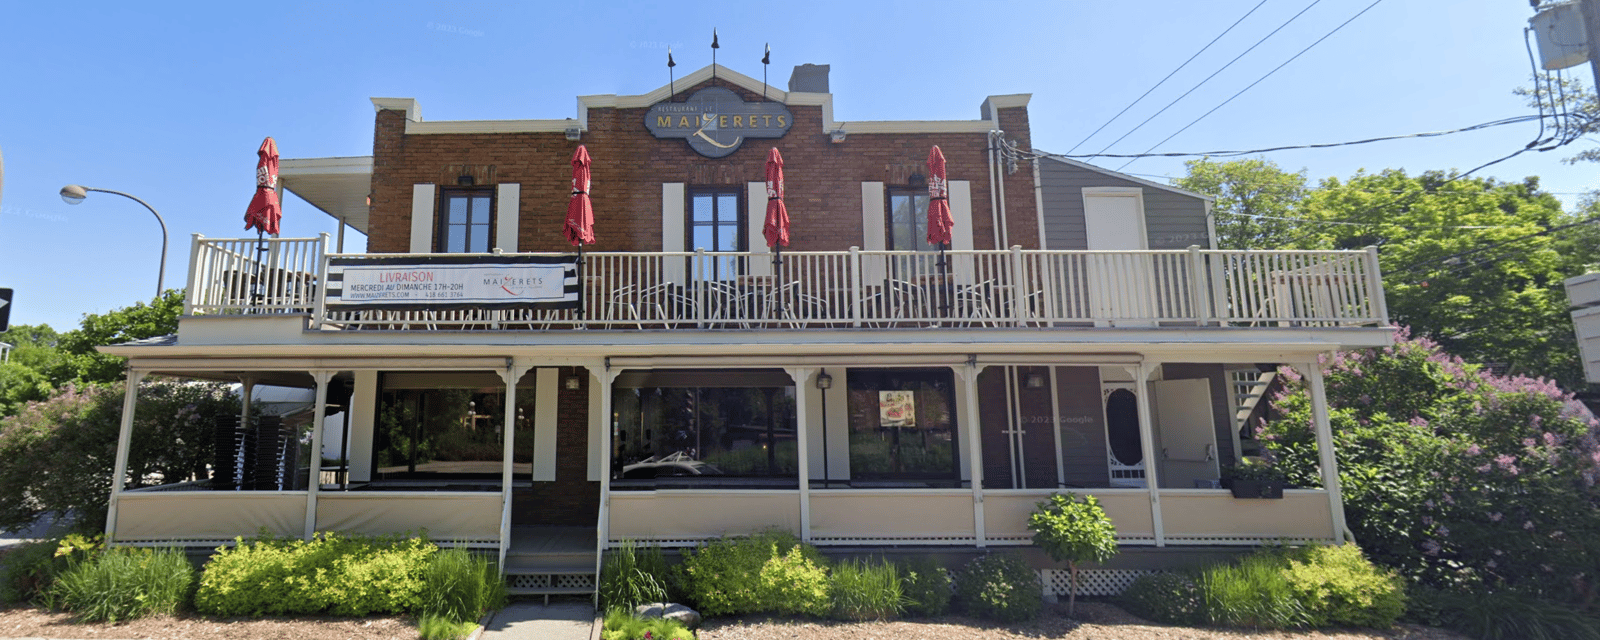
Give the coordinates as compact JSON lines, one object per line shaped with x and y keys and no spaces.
{"x":547,"y":561}
{"x":1249,"y":386}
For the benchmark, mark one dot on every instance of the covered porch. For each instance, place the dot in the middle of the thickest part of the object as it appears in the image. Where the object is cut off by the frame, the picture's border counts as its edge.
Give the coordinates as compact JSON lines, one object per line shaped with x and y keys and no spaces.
{"x":596,"y":442}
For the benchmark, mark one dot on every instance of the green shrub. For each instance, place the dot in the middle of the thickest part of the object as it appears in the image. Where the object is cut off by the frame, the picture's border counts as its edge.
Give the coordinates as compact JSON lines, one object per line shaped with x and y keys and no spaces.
{"x":1001,"y":587}
{"x":1339,"y":587}
{"x":1169,"y":598}
{"x":347,"y":576}
{"x":1504,"y":615}
{"x":459,"y":586}
{"x":27,"y":570}
{"x":793,"y":583}
{"x":1254,"y":593}
{"x":1074,"y":532}
{"x":926,"y":586}
{"x":628,"y":579}
{"x":622,"y":624}
{"x":867,"y":590}
{"x":125,"y":583}
{"x":731,"y":575}
{"x":437,"y":627}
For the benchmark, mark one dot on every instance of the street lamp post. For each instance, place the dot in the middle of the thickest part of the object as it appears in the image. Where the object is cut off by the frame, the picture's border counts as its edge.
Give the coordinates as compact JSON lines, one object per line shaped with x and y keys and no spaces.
{"x":74,"y":194}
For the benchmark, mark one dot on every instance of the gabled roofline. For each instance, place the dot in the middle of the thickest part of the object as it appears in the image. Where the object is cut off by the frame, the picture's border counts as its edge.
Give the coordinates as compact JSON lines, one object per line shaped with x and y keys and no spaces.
{"x":416,"y":125}
{"x":1124,"y":176}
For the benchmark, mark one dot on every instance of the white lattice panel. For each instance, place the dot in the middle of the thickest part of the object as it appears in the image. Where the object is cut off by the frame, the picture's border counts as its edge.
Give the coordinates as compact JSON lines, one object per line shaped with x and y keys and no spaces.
{"x":550,"y":581}
{"x":1092,"y":582}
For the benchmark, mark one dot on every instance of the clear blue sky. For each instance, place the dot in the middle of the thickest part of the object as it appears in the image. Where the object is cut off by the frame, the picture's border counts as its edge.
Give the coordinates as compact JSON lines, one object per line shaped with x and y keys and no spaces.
{"x":170,"y":102}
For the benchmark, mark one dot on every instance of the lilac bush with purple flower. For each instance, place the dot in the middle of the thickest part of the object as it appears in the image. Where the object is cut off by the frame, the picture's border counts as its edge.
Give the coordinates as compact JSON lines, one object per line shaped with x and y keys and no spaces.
{"x":1448,"y":470}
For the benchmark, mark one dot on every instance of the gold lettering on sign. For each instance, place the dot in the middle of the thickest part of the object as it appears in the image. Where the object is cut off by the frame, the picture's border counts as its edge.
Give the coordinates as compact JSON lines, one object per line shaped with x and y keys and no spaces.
{"x":781,"y":122}
{"x":684,"y":122}
{"x":722,"y":122}
{"x":738,"y":121}
{"x":663,"y":121}
{"x":766,"y":121}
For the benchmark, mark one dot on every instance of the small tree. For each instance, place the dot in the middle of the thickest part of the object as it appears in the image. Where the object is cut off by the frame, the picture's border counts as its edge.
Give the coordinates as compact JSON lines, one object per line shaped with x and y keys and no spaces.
{"x":1073,"y":531}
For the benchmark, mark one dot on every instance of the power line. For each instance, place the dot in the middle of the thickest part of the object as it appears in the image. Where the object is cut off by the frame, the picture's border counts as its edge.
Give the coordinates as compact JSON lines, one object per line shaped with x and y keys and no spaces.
{"x":1213,"y":75}
{"x":1169,"y":76}
{"x":1415,"y":265}
{"x":1367,"y":224}
{"x":1258,"y":81}
{"x":1322,"y":145}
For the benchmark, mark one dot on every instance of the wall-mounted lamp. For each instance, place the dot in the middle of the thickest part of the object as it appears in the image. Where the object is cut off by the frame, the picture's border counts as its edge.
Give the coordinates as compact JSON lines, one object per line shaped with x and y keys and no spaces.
{"x":466,"y":181}
{"x":824,"y":381}
{"x":572,"y":383}
{"x":837,"y":135}
{"x":573,"y":133}
{"x":1035,"y":380}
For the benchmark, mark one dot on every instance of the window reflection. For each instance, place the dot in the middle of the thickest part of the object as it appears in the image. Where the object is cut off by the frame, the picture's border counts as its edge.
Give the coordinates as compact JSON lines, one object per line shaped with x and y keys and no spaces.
{"x":902,"y":426}
{"x":704,"y":436}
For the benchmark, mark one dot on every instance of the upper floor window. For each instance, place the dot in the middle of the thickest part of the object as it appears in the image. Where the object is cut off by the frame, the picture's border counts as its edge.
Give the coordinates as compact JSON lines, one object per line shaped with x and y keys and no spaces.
{"x":715,"y":224}
{"x":466,"y":223}
{"x":908,"y":220}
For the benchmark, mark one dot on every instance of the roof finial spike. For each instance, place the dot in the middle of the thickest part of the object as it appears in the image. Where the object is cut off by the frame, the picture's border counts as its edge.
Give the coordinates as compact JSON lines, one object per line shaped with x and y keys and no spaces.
{"x":714,"y":47}
{"x":672,"y":89}
{"x":766,"y":59}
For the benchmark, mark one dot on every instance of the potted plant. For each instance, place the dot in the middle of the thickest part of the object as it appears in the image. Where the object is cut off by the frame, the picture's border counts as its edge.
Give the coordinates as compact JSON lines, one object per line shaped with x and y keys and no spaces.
{"x":1255,"y":478}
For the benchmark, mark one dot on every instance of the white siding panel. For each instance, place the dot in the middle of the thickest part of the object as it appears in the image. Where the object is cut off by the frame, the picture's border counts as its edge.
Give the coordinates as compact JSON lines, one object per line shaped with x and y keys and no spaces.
{"x":872,"y":230}
{"x":545,"y":390}
{"x":672,"y":195}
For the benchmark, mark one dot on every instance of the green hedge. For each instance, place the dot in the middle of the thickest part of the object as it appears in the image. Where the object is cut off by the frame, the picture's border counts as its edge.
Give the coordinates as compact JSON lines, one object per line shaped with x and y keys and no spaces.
{"x":331,"y":574}
{"x":125,"y":583}
{"x":1000,"y":586}
{"x":772,"y":572}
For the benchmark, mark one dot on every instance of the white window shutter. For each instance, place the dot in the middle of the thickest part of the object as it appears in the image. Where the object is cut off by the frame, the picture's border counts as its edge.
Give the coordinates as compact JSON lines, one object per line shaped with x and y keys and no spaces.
{"x":672,"y":195}
{"x":756,"y":217}
{"x":508,"y":201}
{"x":422,"y":208}
{"x":961,"y":235}
{"x":873,"y":237}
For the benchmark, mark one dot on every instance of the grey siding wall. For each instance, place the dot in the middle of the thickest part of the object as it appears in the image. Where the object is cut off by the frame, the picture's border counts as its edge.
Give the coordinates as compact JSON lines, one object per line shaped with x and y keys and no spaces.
{"x":1083,"y":427}
{"x":1172,"y":220}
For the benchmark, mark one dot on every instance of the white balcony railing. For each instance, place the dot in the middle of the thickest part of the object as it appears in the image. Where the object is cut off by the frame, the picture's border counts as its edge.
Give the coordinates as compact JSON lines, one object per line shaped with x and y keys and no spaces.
{"x":847,"y":289}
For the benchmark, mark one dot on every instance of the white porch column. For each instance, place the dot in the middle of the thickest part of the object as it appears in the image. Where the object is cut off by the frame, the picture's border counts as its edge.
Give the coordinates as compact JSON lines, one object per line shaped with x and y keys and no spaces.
{"x":1323,"y":427}
{"x":802,"y":397}
{"x":247,"y":389}
{"x":119,"y":472}
{"x":969,"y":399}
{"x":508,"y":428}
{"x":1147,"y":441}
{"x":603,"y":375}
{"x":314,"y":483}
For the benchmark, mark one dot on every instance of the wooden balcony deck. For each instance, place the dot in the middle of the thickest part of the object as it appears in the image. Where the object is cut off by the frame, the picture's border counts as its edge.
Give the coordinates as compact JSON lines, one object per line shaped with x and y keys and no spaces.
{"x":833,"y":289}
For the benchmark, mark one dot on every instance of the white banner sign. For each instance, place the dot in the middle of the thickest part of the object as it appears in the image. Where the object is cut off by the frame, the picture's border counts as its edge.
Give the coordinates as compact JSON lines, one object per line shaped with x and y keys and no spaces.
{"x":437,"y":284}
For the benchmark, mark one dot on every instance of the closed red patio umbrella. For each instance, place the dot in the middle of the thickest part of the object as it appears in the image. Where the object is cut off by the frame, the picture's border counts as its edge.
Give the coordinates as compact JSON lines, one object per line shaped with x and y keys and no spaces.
{"x":265,"y":211}
{"x":579,"y":227}
{"x":776,"y":228}
{"x":940,"y":223}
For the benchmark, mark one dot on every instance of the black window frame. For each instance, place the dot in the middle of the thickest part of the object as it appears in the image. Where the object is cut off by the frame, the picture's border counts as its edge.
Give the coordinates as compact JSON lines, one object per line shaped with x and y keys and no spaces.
{"x":857,"y":378}
{"x":734,"y":267}
{"x":441,"y":233}
{"x":919,"y":218}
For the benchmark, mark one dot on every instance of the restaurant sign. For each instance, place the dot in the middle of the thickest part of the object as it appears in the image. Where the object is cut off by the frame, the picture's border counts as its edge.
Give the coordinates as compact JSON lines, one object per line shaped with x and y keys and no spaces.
{"x":455,"y":282}
{"x":716,"y":121}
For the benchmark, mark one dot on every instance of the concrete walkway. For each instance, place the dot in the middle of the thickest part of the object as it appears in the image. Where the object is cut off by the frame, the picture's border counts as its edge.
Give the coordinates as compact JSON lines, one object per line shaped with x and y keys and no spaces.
{"x":536,"y":621}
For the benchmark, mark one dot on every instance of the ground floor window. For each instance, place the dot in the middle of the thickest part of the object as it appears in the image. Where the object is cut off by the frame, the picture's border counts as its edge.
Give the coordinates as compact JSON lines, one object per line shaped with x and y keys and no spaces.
{"x":903,"y":426}
{"x":704,"y":429}
{"x":448,"y":427}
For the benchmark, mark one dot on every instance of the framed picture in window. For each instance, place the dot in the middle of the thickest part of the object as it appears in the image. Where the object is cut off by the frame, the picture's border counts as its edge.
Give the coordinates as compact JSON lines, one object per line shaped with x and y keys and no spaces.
{"x":897,"y":408}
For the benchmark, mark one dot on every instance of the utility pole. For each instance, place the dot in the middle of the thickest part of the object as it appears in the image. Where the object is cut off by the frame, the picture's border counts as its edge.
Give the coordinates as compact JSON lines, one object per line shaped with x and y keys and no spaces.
{"x":1591,"y":27}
